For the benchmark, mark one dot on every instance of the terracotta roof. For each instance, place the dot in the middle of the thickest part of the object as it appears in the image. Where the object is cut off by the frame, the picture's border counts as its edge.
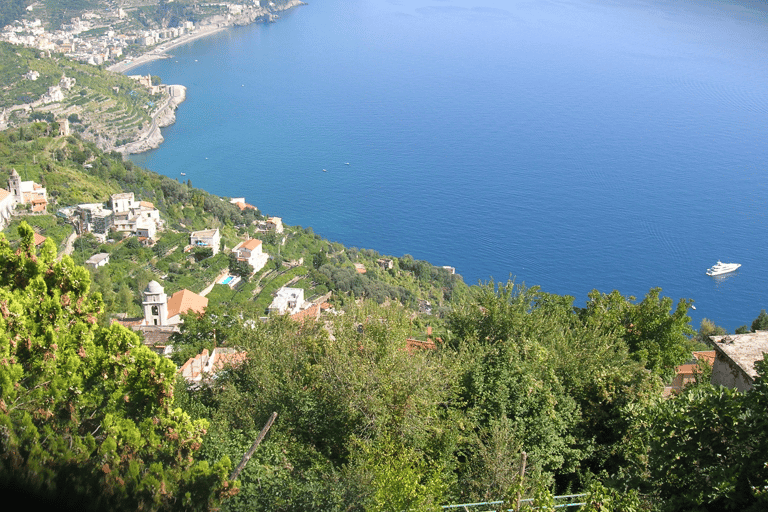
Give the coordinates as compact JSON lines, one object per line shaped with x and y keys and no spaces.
{"x":184,"y":301}
{"x":129,"y":322}
{"x":251,"y":244}
{"x":706,"y":355}
{"x":39,"y":239}
{"x":146,"y":204}
{"x":243,"y":206}
{"x":312,"y":312}
{"x":3,"y":194}
{"x":413,"y":344}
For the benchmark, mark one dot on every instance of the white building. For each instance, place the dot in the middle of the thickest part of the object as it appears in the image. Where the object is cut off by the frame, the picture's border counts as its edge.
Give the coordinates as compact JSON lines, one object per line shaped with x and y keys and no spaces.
{"x":210,"y":238}
{"x":97,"y":260}
{"x":287,"y":300}
{"x":139,"y":218}
{"x":7,"y":204}
{"x":250,"y":251}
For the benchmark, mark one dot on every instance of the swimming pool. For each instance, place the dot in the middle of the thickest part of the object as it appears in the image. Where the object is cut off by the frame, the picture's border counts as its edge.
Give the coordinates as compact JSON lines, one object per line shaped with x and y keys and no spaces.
{"x":227,"y":280}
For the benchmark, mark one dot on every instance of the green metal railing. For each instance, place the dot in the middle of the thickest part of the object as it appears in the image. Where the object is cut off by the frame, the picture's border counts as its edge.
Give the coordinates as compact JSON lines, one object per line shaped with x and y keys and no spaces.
{"x":564,"y":501}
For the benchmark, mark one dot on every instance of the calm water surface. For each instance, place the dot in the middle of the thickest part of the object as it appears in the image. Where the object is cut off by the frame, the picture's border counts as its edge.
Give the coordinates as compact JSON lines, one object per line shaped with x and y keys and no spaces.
{"x":568,"y":144}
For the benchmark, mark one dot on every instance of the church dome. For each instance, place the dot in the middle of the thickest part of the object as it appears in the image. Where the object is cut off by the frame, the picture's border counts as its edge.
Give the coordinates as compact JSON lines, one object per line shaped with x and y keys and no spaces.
{"x":154,"y":288}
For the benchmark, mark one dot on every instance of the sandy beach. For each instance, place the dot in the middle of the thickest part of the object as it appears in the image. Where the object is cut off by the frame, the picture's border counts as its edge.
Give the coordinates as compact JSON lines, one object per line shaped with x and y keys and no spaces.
{"x":205,"y":29}
{"x":156,"y":53}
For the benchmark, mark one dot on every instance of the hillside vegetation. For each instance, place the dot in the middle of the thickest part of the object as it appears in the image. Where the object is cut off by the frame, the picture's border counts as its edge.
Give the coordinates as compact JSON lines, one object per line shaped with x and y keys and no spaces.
{"x":104,"y":107}
{"x":364,"y":423}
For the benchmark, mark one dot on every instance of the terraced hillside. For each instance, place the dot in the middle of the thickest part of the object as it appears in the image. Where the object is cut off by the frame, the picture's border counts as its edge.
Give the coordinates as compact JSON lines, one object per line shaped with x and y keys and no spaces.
{"x":104,"y":107}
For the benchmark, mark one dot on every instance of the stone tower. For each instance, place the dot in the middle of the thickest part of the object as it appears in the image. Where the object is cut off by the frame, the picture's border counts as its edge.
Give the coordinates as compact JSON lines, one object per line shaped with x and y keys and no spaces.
{"x":14,"y":185}
{"x":155,"y":305}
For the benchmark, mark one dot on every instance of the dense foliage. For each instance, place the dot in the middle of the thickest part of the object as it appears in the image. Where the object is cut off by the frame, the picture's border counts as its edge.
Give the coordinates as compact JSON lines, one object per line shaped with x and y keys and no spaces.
{"x":87,"y":413}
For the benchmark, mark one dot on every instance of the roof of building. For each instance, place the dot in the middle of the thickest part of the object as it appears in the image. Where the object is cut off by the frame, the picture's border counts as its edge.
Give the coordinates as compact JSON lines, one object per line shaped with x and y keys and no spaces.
{"x":156,"y":335}
{"x":184,"y":301}
{"x":312,"y":312}
{"x":243,"y":206}
{"x":4,"y":193}
{"x":743,"y":349}
{"x":219,"y":359}
{"x":251,"y":244}
{"x":39,"y":239}
{"x":706,"y":355}
{"x":205,"y":233}
{"x":96,"y":258}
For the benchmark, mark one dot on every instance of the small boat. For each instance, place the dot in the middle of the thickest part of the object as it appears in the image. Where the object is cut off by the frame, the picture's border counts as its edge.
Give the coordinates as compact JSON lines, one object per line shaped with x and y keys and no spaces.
{"x":183,"y":174}
{"x":722,"y":268}
{"x":346,"y":163}
{"x":324,"y":170}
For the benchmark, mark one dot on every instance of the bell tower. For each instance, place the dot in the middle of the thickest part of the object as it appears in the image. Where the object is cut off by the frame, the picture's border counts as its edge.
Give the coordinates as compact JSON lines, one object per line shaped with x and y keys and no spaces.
{"x":155,"y":305}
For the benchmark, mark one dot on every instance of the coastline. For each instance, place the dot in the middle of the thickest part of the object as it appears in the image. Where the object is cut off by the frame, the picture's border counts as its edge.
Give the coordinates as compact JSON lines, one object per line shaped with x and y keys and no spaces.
{"x":166,"y":115}
{"x":206,"y":28}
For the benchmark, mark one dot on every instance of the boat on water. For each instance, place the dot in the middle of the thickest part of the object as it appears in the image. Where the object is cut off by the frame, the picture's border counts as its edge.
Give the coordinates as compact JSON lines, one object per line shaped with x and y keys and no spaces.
{"x":722,"y":268}
{"x":183,"y":174}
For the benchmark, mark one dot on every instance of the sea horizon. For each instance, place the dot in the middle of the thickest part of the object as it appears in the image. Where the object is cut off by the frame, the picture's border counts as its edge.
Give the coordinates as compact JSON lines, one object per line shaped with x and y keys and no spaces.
{"x":575,"y":146}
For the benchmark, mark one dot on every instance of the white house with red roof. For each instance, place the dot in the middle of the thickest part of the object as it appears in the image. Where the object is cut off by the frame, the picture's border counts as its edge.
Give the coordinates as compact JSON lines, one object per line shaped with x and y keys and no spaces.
{"x":250,"y":251}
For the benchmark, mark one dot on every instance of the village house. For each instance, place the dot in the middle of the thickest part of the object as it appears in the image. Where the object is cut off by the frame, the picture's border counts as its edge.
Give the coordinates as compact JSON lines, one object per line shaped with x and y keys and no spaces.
{"x":97,"y":260}
{"x":271,"y":225}
{"x":210,"y":238}
{"x":734,"y":365}
{"x":287,"y":300}
{"x":204,"y":366}
{"x":240,"y":203}
{"x":250,"y":251}
{"x":93,"y":218}
{"x":140,"y":218}
{"x":688,"y":373}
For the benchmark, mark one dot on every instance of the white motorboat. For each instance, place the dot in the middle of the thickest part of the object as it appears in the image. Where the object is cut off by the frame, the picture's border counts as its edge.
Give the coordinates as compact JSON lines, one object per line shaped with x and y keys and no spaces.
{"x":722,"y":268}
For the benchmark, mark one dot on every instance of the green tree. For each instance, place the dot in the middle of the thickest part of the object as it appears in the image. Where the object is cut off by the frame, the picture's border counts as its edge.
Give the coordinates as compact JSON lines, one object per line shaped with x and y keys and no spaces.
{"x":86,"y":412}
{"x":761,"y":322}
{"x":709,"y":448}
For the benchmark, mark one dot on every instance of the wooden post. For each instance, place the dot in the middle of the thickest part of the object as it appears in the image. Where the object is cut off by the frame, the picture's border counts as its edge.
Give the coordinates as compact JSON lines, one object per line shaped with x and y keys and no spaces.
{"x":255,"y":445}
{"x":523,"y":460}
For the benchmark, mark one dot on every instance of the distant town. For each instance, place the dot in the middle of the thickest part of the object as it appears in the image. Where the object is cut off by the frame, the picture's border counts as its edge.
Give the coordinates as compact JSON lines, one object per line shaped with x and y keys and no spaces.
{"x":111,"y":35}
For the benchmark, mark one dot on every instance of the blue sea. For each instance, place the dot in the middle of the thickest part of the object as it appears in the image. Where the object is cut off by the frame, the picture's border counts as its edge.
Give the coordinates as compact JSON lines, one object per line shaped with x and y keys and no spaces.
{"x":574,"y":144}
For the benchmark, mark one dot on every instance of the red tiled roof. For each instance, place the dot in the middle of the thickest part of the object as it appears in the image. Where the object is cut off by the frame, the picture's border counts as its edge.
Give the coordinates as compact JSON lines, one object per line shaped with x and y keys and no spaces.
{"x":243,"y":206}
{"x":312,"y":312}
{"x":413,"y":344}
{"x":184,"y":301}
{"x":39,"y":239}
{"x":251,"y":244}
{"x":705,"y":355}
